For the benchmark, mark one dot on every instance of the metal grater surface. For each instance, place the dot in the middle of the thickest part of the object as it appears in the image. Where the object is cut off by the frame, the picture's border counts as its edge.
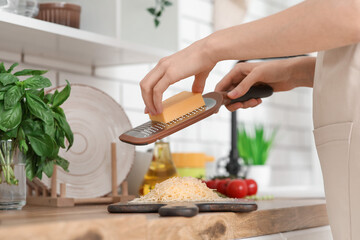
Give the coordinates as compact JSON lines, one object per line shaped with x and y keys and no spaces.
{"x":151,"y":128}
{"x":152,"y":131}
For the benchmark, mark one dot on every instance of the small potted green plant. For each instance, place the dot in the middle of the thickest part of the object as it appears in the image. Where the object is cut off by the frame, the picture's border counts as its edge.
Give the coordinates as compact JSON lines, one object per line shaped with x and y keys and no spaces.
{"x":254,"y":149}
{"x":33,"y":127}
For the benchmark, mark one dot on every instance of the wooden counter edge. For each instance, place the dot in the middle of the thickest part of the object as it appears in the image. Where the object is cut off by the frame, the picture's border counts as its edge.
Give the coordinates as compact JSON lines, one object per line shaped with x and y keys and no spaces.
{"x":130,"y":227}
{"x":101,"y":225}
{"x":239,"y":225}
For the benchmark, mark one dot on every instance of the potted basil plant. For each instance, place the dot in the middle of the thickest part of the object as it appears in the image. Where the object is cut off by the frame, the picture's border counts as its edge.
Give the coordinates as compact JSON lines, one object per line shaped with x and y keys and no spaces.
{"x":33,"y":127}
{"x":254,"y":149}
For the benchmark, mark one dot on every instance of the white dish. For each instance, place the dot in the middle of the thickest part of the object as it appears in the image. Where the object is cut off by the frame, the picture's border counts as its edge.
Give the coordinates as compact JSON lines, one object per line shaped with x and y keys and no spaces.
{"x":96,"y":121}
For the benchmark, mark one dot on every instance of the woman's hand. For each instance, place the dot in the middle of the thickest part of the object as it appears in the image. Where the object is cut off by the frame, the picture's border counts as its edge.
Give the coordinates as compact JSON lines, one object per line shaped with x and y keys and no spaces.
{"x":281,"y":75}
{"x":191,"y":61}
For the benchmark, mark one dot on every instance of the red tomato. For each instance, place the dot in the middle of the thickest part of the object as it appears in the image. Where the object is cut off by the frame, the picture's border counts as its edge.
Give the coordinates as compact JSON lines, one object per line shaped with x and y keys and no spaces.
{"x":212,"y":183}
{"x":252,"y":186}
{"x":237,"y":188}
{"x":222,"y":185}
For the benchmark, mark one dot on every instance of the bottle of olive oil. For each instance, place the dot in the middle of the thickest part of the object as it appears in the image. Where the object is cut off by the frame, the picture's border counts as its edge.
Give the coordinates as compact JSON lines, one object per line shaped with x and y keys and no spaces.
{"x":160,"y":169}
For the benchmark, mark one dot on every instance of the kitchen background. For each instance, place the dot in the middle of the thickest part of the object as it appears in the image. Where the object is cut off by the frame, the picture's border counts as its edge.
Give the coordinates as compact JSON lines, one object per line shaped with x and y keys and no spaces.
{"x":293,"y":159}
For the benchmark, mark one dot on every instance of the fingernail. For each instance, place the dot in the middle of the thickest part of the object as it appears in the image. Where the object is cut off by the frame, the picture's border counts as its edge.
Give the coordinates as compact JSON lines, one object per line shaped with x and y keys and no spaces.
{"x":232,"y":94}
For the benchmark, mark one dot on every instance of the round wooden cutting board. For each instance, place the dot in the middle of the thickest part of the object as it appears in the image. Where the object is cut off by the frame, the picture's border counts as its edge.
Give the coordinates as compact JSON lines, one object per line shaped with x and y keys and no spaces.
{"x":96,"y":120}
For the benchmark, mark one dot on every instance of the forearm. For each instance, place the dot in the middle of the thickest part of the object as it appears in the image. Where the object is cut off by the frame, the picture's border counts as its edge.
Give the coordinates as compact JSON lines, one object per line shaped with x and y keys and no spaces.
{"x":310,"y":26}
{"x":301,"y":71}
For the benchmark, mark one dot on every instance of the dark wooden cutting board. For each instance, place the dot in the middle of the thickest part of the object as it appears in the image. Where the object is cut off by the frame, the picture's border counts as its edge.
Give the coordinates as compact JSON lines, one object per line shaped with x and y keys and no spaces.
{"x":185,"y":209}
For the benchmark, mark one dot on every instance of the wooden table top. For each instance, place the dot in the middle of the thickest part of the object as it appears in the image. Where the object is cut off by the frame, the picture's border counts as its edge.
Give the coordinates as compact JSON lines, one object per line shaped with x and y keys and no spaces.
{"x":95,"y":223}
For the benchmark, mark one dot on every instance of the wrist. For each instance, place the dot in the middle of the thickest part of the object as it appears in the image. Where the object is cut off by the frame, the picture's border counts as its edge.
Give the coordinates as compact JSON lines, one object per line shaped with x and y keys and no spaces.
{"x":213,"y":47}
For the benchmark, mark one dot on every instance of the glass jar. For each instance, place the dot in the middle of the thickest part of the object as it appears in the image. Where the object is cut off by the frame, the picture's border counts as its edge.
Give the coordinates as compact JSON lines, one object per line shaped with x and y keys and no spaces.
{"x":12,"y":176}
{"x":160,"y":169}
{"x":28,"y":8}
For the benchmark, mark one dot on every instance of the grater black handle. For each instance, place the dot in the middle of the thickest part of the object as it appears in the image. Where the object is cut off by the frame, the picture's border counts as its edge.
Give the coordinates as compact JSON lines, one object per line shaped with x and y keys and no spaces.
{"x":258,"y":91}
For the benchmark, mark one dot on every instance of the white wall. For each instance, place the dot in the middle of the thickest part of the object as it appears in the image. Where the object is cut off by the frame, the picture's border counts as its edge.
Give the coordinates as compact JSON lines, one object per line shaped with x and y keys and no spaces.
{"x":292,"y":159}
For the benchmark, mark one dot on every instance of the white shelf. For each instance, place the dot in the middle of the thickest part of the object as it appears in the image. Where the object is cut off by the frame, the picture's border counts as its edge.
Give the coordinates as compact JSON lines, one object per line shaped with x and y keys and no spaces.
{"x":49,"y":40}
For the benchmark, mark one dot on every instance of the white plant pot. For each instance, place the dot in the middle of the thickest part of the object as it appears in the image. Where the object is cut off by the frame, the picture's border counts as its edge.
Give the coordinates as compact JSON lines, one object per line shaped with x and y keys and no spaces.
{"x":261,"y":174}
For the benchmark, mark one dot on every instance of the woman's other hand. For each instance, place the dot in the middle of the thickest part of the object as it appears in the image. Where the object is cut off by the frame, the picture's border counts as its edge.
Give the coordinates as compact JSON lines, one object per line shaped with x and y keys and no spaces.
{"x":281,"y":75}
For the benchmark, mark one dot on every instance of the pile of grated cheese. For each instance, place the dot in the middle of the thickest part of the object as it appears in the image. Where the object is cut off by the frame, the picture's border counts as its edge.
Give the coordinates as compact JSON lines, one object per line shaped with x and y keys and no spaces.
{"x":176,"y":189}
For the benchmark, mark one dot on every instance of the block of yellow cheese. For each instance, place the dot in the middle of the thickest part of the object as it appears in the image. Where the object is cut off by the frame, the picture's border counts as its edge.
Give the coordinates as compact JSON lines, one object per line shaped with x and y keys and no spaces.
{"x":179,"y":105}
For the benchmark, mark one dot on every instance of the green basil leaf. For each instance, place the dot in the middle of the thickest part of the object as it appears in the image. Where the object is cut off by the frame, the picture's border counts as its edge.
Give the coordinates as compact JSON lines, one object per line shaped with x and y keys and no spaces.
{"x":54,"y":95}
{"x":2,"y":68}
{"x":29,"y":72}
{"x":30,"y":167}
{"x":5,"y":88}
{"x":167,"y":3}
{"x":49,"y":167}
{"x":64,"y":125}
{"x":36,"y":82}
{"x":62,"y":163}
{"x":40,"y":166}
{"x":60,"y":137}
{"x":61,"y":97}
{"x":35,"y":92}
{"x":12,"y":67}
{"x":59,"y":110}
{"x":41,"y":94}
{"x":23,"y":146}
{"x":50,"y":129}
{"x":2,"y":94}
{"x":32,"y":127}
{"x":11,"y":133}
{"x":48,"y":97}
{"x":55,"y":151}
{"x":11,"y":118}
{"x":20,"y":134}
{"x":41,"y":144}
{"x":7,"y":78}
{"x":12,"y":96}
{"x":38,"y":108}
